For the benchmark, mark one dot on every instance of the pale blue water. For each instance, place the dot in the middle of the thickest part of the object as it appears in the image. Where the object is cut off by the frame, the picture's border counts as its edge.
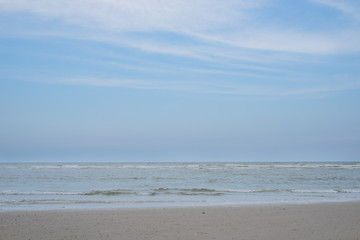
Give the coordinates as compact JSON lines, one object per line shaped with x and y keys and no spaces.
{"x":107,"y":185}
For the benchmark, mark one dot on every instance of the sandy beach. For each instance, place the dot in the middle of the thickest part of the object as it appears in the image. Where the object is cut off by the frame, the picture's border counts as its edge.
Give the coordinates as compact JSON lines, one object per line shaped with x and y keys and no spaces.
{"x":280,"y":222}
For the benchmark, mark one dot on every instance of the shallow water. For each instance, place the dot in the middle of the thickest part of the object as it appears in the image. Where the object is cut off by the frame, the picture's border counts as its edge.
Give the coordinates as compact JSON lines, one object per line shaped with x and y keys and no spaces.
{"x":98,"y":185}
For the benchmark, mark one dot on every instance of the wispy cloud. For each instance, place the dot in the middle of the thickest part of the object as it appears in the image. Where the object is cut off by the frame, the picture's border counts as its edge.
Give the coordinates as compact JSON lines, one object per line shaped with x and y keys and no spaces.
{"x":231,"y":23}
{"x":213,"y":87}
{"x":224,"y":38}
{"x":344,"y":6}
{"x":140,"y":15}
{"x":279,"y":40}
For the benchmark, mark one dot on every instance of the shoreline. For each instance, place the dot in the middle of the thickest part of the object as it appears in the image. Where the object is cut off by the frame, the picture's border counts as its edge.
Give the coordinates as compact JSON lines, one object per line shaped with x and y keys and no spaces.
{"x":339,"y":220}
{"x":199,"y":205}
{"x":116,"y":207}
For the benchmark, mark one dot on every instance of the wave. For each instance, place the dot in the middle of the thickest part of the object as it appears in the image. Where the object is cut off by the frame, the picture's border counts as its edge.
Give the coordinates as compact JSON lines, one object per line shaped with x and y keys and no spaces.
{"x":158,"y":191}
{"x":328,"y":191}
{"x":15,"y":192}
{"x":179,"y":191}
{"x":110,"y":192}
{"x":63,"y":201}
{"x":294,"y":166}
{"x":189,"y":166}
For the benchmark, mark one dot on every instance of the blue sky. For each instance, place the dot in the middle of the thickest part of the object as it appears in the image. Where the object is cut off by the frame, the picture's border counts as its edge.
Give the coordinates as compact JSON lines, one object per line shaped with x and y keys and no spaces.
{"x":156,"y":80}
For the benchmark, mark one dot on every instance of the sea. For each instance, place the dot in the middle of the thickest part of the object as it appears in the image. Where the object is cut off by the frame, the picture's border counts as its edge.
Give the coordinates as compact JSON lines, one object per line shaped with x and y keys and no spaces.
{"x":50,"y":186}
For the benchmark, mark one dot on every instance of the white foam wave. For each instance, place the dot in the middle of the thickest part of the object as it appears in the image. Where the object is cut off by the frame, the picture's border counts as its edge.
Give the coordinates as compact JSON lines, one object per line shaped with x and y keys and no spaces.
{"x":14,"y":192}
{"x":190,"y":166}
{"x":327,"y":191}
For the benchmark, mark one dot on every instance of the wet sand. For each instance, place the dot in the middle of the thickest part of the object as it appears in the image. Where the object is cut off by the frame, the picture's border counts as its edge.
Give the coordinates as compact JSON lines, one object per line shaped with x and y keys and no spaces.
{"x":281,"y":222}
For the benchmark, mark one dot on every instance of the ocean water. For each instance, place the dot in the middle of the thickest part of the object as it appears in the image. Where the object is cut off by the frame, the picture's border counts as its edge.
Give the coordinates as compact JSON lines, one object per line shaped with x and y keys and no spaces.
{"x":27,"y":186}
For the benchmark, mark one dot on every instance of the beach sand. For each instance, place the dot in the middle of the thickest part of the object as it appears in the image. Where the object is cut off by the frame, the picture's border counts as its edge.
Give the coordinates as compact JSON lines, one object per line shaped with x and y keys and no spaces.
{"x":280,"y":222}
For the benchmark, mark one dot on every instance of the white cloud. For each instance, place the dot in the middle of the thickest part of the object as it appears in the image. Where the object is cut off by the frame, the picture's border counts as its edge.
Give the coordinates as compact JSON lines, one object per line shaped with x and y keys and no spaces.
{"x":226,"y":34}
{"x":230,"y":23}
{"x":280,"y":40}
{"x":213,"y":87}
{"x":137,"y":15}
{"x":344,"y":6}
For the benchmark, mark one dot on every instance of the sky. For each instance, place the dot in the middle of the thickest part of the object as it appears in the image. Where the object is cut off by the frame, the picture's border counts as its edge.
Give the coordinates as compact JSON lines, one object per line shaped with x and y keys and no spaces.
{"x":180,"y":80}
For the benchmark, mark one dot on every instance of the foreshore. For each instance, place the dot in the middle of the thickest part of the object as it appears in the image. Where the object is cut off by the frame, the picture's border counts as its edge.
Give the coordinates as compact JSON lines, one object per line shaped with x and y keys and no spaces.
{"x":330,"y":221}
